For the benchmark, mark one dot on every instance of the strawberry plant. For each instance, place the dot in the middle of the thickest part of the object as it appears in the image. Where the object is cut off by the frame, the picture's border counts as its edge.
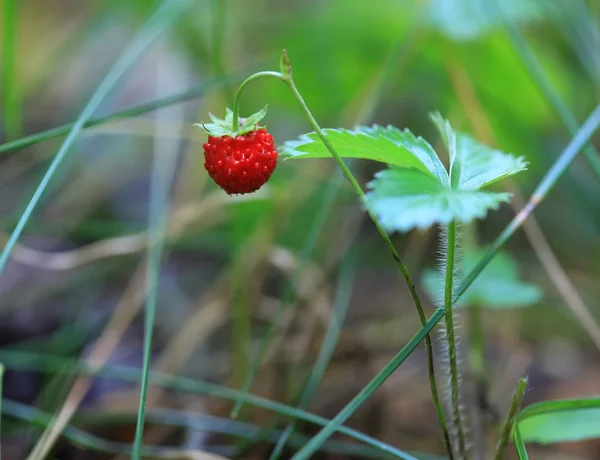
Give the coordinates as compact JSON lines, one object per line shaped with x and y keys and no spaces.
{"x":269,"y":282}
{"x":415,"y":189}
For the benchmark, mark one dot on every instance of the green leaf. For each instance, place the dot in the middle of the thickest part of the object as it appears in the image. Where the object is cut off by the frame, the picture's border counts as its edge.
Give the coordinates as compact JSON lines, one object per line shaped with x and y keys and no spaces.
{"x":449,"y":138}
{"x":407,"y":198}
{"x":384,"y":144}
{"x":558,"y":421}
{"x":250,"y":122}
{"x":497,"y":287}
{"x":473,"y":165}
{"x":478,"y":166}
{"x":417,"y":191}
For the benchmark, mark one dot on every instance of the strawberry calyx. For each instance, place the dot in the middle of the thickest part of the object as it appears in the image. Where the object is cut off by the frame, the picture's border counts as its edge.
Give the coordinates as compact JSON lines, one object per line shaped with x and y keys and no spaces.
{"x":224,"y":127}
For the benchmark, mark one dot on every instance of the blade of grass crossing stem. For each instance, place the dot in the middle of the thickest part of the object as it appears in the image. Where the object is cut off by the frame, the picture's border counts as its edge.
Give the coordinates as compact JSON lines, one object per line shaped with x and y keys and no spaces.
{"x":42,"y":362}
{"x":163,"y":171}
{"x":581,"y":138}
{"x":163,"y":16}
{"x":336,"y":321}
{"x":134,"y":111}
{"x":10,"y":82}
{"x":511,"y":418}
{"x":315,"y":443}
{"x":289,"y":293}
{"x":520,"y":445}
{"x":537,"y":74}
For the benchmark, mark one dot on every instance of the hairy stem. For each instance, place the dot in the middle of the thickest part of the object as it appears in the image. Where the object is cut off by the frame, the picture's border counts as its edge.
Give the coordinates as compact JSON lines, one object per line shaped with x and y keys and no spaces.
{"x":288,"y":80}
{"x":452,"y":358}
{"x":286,"y":76}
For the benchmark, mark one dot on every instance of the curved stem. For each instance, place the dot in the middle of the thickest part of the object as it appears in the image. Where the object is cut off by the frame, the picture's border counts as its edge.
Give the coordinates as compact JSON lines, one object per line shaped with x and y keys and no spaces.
{"x":236,"y":100}
{"x":448,"y":315}
{"x":286,"y":76}
{"x":287,"y":79}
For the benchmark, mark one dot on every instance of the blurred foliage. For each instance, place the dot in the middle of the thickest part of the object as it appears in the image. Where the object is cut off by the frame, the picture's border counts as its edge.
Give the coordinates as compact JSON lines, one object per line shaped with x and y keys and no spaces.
{"x":402,"y":58}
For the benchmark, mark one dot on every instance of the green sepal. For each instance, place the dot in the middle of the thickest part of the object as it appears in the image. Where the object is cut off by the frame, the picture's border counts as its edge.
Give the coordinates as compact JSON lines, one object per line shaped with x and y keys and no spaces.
{"x":224,"y":127}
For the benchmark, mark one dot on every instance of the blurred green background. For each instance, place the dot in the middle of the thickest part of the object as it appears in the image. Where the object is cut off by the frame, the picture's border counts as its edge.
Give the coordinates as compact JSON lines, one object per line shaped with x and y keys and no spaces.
{"x":514,"y":73}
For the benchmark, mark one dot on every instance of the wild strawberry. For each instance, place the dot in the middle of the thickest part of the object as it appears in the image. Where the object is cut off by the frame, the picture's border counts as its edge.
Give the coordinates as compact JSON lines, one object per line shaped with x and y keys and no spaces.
{"x":239,"y":160}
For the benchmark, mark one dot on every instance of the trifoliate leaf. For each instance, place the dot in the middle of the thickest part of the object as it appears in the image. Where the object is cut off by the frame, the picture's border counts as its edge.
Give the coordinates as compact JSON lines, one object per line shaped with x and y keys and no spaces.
{"x":384,"y":144}
{"x":497,"y":287}
{"x":417,"y":191}
{"x":404,"y":199}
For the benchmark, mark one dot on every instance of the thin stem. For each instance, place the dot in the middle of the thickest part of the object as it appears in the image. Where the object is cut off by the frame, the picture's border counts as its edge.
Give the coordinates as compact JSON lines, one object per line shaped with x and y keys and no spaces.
{"x":511,"y":417}
{"x":398,"y":55}
{"x":286,"y":77}
{"x":236,"y":100}
{"x":452,"y":357}
{"x":558,"y":168}
{"x":163,"y":172}
{"x":288,"y":80}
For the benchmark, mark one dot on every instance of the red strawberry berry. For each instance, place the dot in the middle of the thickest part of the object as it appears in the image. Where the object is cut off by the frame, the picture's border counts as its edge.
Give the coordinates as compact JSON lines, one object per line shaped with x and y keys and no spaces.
{"x":239,"y":159}
{"x":241,"y":164}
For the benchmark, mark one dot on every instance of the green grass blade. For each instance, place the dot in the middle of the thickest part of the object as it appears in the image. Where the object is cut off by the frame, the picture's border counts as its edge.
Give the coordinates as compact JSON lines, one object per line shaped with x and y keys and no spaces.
{"x":42,"y":362}
{"x":10,"y":82}
{"x":164,"y":15}
{"x":509,"y":422}
{"x":318,"y":440}
{"x":338,"y":316}
{"x":163,"y":172}
{"x":537,"y":74}
{"x":560,"y":405}
{"x":134,"y":111}
{"x":289,"y":293}
{"x":581,"y":138}
{"x":172,"y":418}
{"x":521,"y":450}
{"x":219,"y":425}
